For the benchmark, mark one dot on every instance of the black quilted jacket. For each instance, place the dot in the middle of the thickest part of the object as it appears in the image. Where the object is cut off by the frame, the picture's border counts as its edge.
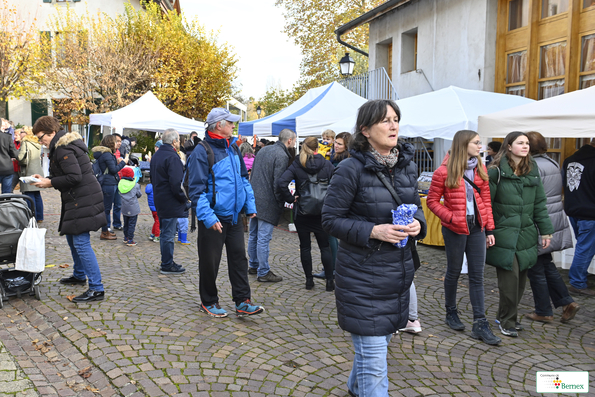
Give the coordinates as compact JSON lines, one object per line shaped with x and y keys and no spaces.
{"x":71,"y":173}
{"x":372,"y":277}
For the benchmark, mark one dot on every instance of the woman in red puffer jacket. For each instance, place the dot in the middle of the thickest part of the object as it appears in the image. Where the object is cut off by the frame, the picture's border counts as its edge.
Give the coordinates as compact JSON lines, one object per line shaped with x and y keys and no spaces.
{"x":467,"y":226}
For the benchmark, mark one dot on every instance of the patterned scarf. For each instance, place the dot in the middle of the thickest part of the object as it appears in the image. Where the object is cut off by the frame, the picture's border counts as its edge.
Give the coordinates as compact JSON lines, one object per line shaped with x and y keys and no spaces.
{"x":389,"y":160}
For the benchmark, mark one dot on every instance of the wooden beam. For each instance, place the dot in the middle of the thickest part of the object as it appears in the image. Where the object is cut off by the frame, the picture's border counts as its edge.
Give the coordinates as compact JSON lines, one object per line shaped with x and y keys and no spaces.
{"x":573,"y":46}
{"x":532,"y":88}
{"x":501,"y":30}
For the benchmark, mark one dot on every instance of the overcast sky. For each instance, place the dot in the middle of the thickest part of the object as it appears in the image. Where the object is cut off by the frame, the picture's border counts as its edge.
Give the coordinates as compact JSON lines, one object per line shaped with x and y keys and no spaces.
{"x":254,"y":28}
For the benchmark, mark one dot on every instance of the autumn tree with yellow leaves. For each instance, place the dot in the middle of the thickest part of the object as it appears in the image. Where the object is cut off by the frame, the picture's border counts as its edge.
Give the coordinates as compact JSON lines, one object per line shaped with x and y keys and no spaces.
{"x":101,"y":63}
{"x":312,"y":24}
{"x":19,"y":55}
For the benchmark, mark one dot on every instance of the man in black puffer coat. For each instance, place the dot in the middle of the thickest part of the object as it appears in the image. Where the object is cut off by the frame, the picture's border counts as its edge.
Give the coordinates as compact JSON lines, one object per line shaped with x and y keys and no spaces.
{"x":82,"y":201}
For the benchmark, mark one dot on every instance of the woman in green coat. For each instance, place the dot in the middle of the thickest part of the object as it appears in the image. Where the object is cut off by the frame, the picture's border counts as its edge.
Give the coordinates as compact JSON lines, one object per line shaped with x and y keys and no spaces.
{"x":520,"y":216}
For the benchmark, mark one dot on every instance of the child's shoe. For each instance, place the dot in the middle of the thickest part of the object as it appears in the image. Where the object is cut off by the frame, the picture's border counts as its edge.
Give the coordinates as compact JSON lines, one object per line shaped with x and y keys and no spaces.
{"x":182,"y":239}
{"x":156,"y":239}
{"x":131,"y":243}
{"x":152,"y":237}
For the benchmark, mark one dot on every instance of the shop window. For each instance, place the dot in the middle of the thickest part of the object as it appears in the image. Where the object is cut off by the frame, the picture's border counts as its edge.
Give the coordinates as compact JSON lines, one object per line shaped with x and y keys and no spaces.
{"x":518,"y":14}
{"x":587,"y":74}
{"x":516,"y":69}
{"x":553,"y":7}
{"x":552,"y":70}
{"x":588,"y":3}
{"x":554,"y":148}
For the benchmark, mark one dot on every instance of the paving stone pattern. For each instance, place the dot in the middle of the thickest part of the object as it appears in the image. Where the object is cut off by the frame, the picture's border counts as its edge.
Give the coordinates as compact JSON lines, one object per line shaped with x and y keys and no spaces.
{"x":148,"y":337}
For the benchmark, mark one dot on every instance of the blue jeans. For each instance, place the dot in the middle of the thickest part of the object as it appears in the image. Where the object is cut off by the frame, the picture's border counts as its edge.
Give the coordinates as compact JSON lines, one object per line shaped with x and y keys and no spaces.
{"x":369,"y":376}
{"x":182,"y":225}
{"x":36,"y":196}
{"x":261,"y":233}
{"x":85,"y":261}
{"x":6,"y":182}
{"x":129,"y":227}
{"x":109,"y":193}
{"x":117,"y":209}
{"x":584,"y":230}
{"x":547,"y":284}
{"x":166,"y":242}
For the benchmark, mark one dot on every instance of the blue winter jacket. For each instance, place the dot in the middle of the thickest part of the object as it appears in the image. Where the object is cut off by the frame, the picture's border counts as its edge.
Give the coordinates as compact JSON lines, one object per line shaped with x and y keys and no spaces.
{"x":149,"y":193}
{"x":233,"y":191}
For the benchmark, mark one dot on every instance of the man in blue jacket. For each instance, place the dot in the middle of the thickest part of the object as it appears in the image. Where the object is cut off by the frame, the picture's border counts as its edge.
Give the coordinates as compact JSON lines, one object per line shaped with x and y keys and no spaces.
{"x":220,"y":191}
{"x":167,"y":172}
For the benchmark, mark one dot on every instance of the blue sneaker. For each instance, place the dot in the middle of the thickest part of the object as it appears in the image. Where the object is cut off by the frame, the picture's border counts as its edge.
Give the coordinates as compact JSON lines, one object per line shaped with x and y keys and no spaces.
{"x":246,"y":308}
{"x":151,"y":237}
{"x":213,"y":310}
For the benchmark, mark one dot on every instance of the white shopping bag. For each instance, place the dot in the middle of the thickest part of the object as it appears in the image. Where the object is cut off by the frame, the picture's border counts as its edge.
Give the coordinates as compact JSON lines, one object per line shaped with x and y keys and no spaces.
{"x":31,"y":249}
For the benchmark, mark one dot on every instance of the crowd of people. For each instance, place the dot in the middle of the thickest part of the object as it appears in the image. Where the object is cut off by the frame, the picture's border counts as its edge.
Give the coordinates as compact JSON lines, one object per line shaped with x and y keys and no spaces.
{"x":343,"y":188}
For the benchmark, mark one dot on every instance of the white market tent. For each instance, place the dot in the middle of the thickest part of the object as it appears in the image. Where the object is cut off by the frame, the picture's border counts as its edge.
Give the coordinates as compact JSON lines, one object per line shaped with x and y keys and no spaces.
{"x":149,"y":114}
{"x":570,"y":115}
{"x":440,"y":114}
{"x":309,"y":115}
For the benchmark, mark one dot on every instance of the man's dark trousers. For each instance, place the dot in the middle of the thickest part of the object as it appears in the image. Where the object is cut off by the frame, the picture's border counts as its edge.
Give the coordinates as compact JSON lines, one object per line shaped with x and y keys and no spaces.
{"x":210,"y":249}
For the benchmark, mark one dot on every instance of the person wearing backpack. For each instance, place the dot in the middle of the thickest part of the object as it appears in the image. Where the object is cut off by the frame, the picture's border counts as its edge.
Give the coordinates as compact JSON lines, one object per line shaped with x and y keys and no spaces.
{"x":219,"y":189}
{"x":109,"y":168}
{"x":309,"y":170}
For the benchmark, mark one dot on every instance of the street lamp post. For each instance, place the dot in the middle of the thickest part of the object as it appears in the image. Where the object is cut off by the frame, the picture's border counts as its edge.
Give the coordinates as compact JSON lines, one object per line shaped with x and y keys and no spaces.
{"x":258,"y":111}
{"x":346,"y":64}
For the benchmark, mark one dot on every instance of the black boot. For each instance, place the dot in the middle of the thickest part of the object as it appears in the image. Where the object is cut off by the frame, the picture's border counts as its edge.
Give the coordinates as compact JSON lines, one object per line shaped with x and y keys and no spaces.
{"x":481,"y":330}
{"x":309,"y":282}
{"x":453,"y":321}
{"x":330,"y":285}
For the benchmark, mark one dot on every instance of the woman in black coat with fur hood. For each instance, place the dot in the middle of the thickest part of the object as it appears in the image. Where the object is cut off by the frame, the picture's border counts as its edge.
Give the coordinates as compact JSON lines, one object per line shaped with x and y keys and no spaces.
{"x":372,"y":275}
{"x":82,"y":201}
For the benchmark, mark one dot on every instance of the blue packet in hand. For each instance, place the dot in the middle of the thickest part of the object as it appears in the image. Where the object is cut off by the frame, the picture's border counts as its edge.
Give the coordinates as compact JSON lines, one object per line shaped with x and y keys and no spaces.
{"x":403,"y":215}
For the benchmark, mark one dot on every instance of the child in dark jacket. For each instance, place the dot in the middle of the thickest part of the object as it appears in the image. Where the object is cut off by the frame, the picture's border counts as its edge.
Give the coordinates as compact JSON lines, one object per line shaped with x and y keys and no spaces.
{"x":155,"y":231}
{"x":130,"y":192}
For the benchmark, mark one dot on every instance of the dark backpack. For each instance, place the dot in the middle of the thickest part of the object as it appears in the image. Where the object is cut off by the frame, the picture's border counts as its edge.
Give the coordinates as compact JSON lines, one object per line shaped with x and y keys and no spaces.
{"x":311,"y":195}
{"x":97,"y":171}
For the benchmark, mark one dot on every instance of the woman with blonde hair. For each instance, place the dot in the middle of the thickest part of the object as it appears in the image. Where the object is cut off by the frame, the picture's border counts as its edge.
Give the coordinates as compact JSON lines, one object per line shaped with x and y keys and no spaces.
{"x":518,"y":205}
{"x":309,"y":168}
{"x":467,"y":227}
{"x":29,"y":158}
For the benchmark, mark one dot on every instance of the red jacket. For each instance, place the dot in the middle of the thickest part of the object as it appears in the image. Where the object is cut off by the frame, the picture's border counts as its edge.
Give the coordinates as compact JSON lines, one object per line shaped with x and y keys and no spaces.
{"x":453,"y":214}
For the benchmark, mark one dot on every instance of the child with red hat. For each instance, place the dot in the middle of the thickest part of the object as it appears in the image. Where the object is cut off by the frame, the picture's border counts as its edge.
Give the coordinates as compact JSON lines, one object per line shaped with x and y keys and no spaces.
{"x":130,"y":192}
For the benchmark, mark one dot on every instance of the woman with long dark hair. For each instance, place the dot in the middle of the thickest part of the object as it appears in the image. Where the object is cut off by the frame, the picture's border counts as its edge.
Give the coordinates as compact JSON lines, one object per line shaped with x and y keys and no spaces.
{"x":518,"y":205}
{"x":307,"y":166}
{"x":104,"y":154}
{"x":372,"y":275}
{"x":467,"y":227}
{"x":546,"y":282}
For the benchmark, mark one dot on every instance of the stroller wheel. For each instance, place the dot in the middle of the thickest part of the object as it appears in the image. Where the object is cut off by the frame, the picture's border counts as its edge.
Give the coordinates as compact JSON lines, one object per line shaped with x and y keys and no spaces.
{"x":1,"y":300}
{"x":37,"y":292}
{"x":38,"y":278}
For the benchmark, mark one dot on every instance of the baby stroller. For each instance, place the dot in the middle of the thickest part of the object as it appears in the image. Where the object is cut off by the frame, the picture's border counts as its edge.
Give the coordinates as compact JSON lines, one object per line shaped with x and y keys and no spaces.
{"x":14,"y":217}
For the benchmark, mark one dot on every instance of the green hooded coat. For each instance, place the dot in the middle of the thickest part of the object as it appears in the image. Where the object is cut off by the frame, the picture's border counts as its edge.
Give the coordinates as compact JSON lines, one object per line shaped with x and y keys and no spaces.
{"x":518,"y":206}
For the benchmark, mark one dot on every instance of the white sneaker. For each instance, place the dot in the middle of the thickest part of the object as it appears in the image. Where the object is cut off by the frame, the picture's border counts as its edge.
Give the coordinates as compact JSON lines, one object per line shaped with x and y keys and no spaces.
{"x":413,"y":327}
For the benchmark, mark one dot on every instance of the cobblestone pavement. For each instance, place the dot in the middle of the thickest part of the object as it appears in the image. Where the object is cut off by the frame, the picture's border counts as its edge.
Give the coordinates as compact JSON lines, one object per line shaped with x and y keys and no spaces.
{"x":148,"y":337}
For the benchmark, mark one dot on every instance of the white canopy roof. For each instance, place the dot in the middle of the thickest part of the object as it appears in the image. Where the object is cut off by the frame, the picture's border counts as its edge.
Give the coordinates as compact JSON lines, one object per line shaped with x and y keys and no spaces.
{"x":149,"y":114}
{"x":309,"y":115}
{"x":440,"y":114}
{"x":570,"y":115}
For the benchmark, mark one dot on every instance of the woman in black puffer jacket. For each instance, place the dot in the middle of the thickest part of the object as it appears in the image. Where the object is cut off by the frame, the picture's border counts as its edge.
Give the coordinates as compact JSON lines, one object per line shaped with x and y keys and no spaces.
{"x":307,"y":164}
{"x":104,"y":155}
{"x":82,"y":202}
{"x":373,"y":276}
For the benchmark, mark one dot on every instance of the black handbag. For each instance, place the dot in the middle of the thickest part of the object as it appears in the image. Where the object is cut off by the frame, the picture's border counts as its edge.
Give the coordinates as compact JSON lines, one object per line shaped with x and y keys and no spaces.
{"x":311,"y":195}
{"x":410,"y":240}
